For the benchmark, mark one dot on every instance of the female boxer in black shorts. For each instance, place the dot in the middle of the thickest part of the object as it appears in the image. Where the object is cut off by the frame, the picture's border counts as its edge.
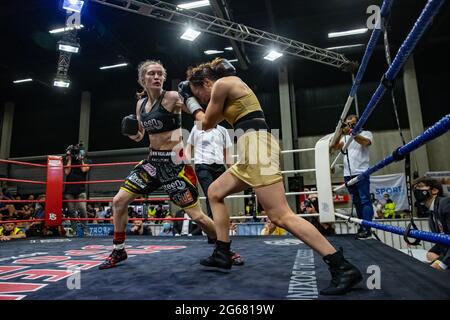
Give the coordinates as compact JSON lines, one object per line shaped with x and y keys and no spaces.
{"x":158,"y":113}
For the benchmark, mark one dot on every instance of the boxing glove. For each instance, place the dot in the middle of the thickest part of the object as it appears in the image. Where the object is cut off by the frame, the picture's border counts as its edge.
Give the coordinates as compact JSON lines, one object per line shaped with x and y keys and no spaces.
{"x":130,"y":125}
{"x":184,"y":90}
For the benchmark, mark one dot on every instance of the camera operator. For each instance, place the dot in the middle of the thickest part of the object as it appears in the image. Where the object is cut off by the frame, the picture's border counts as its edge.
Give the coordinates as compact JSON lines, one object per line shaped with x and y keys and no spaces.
{"x":76,"y":155}
{"x":356,"y":161}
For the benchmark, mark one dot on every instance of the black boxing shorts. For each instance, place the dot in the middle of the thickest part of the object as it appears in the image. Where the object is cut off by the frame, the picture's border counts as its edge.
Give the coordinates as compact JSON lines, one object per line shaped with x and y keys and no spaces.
{"x":161,"y":169}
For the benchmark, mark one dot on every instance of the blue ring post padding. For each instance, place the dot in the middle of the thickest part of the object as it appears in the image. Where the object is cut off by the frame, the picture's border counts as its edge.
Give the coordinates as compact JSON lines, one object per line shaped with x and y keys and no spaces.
{"x":438,"y":129}
{"x":407,"y":47}
{"x":417,"y":234}
{"x":385,"y":10}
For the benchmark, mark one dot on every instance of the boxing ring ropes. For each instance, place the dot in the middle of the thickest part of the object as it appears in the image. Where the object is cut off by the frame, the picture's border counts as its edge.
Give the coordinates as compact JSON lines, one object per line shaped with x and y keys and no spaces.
{"x":326,"y":206}
{"x":54,"y":184}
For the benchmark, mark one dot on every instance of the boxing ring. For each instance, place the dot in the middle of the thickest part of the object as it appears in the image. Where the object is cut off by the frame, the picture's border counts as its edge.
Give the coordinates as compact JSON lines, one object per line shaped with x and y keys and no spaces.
{"x":276,"y":268}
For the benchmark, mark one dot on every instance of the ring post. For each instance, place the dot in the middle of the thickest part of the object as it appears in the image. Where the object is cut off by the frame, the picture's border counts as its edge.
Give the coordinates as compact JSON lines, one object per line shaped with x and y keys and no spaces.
{"x":54,"y":190}
{"x":323,"y":179}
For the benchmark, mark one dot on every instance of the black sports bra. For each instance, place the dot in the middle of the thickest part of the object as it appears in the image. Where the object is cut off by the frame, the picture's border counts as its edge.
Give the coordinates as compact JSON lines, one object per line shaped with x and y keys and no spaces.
{"x":159,"y":119}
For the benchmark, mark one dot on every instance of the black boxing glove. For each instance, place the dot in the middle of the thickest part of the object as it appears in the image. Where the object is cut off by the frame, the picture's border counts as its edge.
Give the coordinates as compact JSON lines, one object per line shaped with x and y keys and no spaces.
{"x":184,"y":90}
{"x":130,"y":125}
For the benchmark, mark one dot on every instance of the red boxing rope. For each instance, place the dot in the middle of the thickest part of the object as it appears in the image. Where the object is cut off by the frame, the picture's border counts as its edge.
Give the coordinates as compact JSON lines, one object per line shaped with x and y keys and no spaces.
{"x":22,"y":181}
{"x":21,"y":221}
{"x":110,"y":200}
{"x":102,"y":164}
{"x":24,"y":163}
{"x":93,"y":181}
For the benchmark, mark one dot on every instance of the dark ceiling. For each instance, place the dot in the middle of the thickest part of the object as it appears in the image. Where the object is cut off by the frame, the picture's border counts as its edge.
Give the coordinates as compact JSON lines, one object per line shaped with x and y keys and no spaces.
{"x":112,"y":35}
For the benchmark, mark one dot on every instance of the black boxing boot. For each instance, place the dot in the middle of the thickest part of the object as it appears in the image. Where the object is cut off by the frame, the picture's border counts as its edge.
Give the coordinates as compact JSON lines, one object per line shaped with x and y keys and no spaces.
{"x":221,"y":257}
{"x":211,"y":240}
{"x":344,"y":275}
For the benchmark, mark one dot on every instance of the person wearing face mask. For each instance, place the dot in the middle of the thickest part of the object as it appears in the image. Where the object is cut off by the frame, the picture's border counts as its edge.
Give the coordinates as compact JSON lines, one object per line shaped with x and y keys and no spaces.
{"x":429,"y":195}
{"x":167,"y":229}
{"x":356,"y":161}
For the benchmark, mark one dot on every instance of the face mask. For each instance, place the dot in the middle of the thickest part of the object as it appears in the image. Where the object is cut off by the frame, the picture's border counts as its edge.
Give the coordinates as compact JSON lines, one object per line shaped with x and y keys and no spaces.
{"x":166,"y":226}
{"x":422,"y":195}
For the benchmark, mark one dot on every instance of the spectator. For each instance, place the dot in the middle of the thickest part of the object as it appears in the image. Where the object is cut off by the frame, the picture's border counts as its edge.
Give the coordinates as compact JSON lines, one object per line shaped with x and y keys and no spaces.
{"x":76,"y":155}
{"x":389,"y":209}
{"x":233,"y":229}
{"x":10,"y":231}
{"x":377,"y":206}
{"x":4,"y":212}
{"x":101,"y":214}
{"x":140,"y":229}
{"x":312,"y":206}
{"x":151,"y":212}
{"x":271,"y":229}
{"x":429,"y":195}
{"x":131,"y":212}
{"x":160,"y":213}
{"x":91,"y":212}
{"x":167,"y":229}
{"x":356,"y":161}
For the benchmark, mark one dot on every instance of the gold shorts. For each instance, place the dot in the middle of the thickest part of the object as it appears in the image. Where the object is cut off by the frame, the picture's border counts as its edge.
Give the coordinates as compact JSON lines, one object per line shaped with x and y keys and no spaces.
{"x":258,"y":162}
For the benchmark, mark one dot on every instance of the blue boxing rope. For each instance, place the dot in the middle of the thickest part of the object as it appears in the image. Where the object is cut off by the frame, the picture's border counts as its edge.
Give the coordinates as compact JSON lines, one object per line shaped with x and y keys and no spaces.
{"x":370,"y":48}
{"x":438,"y":129}
{"x":417,"y":234}
{"x":406,"y":49}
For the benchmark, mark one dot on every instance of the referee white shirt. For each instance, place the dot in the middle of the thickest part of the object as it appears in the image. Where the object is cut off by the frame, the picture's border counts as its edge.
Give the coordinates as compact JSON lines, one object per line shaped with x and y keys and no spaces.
{"x":209,"y":146}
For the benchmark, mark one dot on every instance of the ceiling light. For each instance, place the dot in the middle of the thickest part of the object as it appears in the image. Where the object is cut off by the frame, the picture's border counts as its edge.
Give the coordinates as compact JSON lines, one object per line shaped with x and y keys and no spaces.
{"x":212,"y":51}
{"x":347,"y":46}
{"x":229,"y":48}
{"x":68,"y":47}
{"x":194,"y":4}
{"x":23,"y":80}
{"x":73,"y":5}
{"x":62,"y":83}
{"x":59,"y":30}
{"x":190,"y":34}
{"x":273,"y":55}
{"x":114,"y":66}
{"x":347,"y":33}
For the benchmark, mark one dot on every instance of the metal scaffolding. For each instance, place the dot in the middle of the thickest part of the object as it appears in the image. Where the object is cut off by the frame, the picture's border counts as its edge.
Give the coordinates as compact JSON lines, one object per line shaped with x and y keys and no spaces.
{"x":206,"y":23}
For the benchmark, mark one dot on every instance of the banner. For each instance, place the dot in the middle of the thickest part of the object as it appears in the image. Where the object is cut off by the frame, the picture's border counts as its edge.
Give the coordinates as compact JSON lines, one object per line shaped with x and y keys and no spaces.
{"x":444,"y":178}
{"x":392,"y":184}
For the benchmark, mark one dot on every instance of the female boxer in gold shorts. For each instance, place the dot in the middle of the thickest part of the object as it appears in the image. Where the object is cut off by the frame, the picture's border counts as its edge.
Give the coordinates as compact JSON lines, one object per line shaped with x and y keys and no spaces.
{"x":228,"y":97}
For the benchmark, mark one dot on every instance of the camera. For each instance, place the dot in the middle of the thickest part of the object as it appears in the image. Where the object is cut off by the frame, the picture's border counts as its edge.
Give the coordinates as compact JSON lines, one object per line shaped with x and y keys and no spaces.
{"x":76,"y":151}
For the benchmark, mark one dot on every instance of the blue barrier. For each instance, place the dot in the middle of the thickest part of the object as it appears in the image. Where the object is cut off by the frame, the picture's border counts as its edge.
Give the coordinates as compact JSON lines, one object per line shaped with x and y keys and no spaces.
{"x":417,"y":234}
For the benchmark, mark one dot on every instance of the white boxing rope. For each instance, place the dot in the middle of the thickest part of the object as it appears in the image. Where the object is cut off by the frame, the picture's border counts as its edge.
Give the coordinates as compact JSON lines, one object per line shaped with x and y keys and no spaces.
{"x":297,"y":150}
{"x":287,"y":151}
{"x":298,"y":171}
{"x":260,"y":217}
{"x":348,"y":218}
{"x":236,"y":196}
{"x":342,"y":186}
